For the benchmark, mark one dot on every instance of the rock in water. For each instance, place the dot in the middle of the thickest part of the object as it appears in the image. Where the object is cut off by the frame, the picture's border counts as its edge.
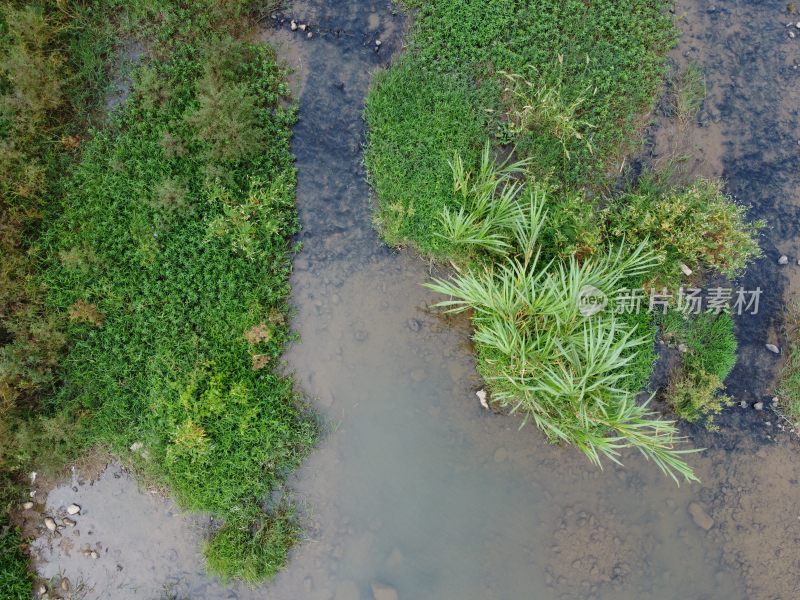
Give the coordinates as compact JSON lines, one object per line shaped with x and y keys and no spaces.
{"x":783,"y":260}
{"x":50,"y":524}
{"x":481,"y":394}
{"x":700,"y":517}
{"x":68,"y":522}
{"x":383,"y":592}
{"x":73,"y":509}
{"x":773,"y":348}
{"x":758,"y":406}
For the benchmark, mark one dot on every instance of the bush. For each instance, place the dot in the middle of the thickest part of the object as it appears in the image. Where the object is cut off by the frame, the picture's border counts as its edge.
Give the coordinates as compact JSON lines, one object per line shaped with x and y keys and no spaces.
{"x":694,"y":395}
{"x":709,"y":339}
{"x":563,"y":368}
{"x":698,"y":226}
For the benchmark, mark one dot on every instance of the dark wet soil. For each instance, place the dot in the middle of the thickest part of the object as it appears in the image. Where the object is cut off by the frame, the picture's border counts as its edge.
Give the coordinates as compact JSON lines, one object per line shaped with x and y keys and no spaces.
{"x":417,"y":487}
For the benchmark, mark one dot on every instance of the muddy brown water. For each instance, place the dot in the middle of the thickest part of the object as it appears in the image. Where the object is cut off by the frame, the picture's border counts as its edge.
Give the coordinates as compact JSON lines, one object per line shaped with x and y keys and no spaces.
{"x":417,"y":487}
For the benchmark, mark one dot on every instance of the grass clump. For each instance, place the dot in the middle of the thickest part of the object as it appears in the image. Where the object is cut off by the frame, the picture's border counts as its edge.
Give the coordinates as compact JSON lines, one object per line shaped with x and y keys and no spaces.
{"x":688,"y":94}
{"x":564,"y":368}
{"x":253,"y":549}
{"x":789,"y":378}
{"x":708,"y":354}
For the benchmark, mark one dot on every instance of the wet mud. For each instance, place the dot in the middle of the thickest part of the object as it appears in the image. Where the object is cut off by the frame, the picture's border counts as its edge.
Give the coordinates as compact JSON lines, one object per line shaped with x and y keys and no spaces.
{"x":416,"y":487}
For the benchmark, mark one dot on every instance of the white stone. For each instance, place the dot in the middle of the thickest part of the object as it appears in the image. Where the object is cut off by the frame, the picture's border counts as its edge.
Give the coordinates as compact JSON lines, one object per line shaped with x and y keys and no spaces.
{"x":50,"y":523}
{"x":773,"y":348}
{"x":481,"y":394}
{"x":73,"y":509}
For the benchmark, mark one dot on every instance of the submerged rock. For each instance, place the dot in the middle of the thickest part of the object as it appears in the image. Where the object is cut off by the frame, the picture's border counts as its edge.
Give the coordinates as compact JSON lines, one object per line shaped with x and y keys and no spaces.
{"x":383,"y":592}
{"x":700,"y":517}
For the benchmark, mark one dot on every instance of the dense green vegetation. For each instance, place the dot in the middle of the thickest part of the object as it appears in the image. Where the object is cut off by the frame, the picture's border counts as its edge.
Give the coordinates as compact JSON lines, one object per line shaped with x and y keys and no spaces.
{"x":708,"y":354}
{"x":145,"y":308}
{"x":471,"y":69}
{"x":563,"y":89}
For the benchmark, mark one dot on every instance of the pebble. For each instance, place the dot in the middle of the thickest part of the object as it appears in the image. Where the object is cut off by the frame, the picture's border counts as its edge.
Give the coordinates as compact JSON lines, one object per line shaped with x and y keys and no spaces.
{"x":683,"y":348}
{"x":293,"y":25}
{"x":377,"y":42}
{"x":68,"y":522}
{"x":783,"y":260}
{"x":773,"y":348}
{"x":302,"y":26}
{"x":27,"y":505}
{"x":309,"y":35}
{"x":743,"y":404}
{"x":383,"y":592}
{"x":50,"y":523}
{"x":481,"y":394}
{"x":758,"y":406}
{"x":700,"y":517}
{"x":73,"y":509}
{"x":94,"y":554}
{"x":64,"y":584}
{"x":686,"y":270}
{"x":775,"y":401}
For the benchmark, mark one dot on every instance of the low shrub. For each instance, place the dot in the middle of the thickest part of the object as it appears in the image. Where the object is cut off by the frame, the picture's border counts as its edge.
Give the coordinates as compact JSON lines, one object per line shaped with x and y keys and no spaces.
{"x":698,"y":225}
{"x":695,"y":396}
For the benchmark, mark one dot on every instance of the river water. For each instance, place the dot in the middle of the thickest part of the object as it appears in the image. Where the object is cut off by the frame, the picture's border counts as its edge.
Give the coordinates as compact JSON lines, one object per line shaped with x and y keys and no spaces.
{"x":417,"y":487}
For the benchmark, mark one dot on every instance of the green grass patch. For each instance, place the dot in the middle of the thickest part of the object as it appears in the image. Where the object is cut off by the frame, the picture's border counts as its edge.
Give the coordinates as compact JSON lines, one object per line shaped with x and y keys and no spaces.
{"x":593,"y":68}
{"x":16,"y":582}
{"x":709,"y":339}
{"x":158,"y":246}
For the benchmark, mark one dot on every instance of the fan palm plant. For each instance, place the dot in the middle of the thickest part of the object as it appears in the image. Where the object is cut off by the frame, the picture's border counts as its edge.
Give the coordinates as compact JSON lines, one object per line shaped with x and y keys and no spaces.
{"x":540,"y":353}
